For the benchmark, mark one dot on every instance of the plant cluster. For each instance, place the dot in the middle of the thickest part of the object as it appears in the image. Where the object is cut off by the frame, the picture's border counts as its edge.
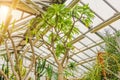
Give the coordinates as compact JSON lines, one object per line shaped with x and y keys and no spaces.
{"x":111,"y":60}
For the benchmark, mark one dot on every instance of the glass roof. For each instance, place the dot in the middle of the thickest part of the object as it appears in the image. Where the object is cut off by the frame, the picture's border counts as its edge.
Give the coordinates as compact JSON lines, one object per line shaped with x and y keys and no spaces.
{"x":85,"y":48}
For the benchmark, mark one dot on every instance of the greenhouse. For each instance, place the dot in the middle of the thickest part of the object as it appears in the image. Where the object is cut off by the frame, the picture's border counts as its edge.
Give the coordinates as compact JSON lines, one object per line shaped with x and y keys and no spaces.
{"x":59,"y":39}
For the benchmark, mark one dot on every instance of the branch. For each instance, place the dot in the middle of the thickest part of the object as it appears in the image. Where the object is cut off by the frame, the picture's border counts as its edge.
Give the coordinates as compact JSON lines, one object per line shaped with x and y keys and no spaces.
{"x":68,"y":34}
{"x":35,"y":72}
{"x":11,"y":62}
{"x":33,"y":62}
{"x":4,"y":75}
{"x":52,"y":51}
{"x":16,"y":55}
{"x":65,"y":56}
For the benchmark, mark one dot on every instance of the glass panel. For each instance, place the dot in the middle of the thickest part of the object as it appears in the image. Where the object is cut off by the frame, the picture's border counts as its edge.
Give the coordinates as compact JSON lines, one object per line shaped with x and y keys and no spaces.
{"x":82,"y":56}
{"x":76,"y":58}
{"x":16,"y":15}
{"x":78,"y":45}
{"x":115,"y":3}
{"x":90,"y":53}
{"x":81,"y":27}
{"x":93,"y":36}
{"x":101,"y":8}
{"x":84,"y":69}
{"x":86,"y":41}
{"x":116,"y":25}
{"x":96,"y":21}
{"x":106,"y":29}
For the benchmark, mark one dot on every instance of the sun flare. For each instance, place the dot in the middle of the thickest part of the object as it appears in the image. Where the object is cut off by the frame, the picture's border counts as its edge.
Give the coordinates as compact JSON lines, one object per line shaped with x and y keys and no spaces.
{"x":3,"y":13}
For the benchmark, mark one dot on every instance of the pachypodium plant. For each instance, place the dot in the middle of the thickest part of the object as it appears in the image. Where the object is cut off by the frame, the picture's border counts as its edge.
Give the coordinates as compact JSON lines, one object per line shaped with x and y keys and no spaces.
{"x":60,"y":22}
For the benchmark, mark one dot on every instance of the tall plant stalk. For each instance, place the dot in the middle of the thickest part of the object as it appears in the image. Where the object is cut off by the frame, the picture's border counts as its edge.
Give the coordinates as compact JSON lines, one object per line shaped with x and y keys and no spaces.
{"x":11,"y":61}
{"x":33,"y":60}
{"x":4,"y":75}
{"x":16,"y":56}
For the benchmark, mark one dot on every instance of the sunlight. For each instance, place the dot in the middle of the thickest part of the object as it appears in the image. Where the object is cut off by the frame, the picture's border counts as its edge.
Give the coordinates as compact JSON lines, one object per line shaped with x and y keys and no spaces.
{"x":3,"y":13}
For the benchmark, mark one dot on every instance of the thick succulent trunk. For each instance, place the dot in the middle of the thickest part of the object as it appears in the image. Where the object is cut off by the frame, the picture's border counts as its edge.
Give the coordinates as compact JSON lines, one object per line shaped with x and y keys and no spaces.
{"x":47,"y":78}
{"x":60,"y":72}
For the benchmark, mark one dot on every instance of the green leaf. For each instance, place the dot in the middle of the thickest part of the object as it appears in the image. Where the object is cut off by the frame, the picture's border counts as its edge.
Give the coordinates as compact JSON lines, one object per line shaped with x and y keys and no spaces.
{"x":49,"y":71}
{"x":72,"y":66}
{"x":60,"y":49}
{"x":84,"y":14}
{"x":75,"y":31}
{"x":3,"y":66}
{"x":40,"y":68}
{"x":68,"y":73}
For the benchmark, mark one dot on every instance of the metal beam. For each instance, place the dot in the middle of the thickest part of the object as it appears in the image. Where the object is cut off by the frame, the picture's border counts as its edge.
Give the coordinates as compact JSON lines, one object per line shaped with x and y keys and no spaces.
{"x":34,"y":6}
{"x":86,"y":60}
{"x":73,"y":3}
{"x":77,"y":39}
{"x":20,"y":6}
{"x":87,"y":48}
{"x":106,"y":23}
